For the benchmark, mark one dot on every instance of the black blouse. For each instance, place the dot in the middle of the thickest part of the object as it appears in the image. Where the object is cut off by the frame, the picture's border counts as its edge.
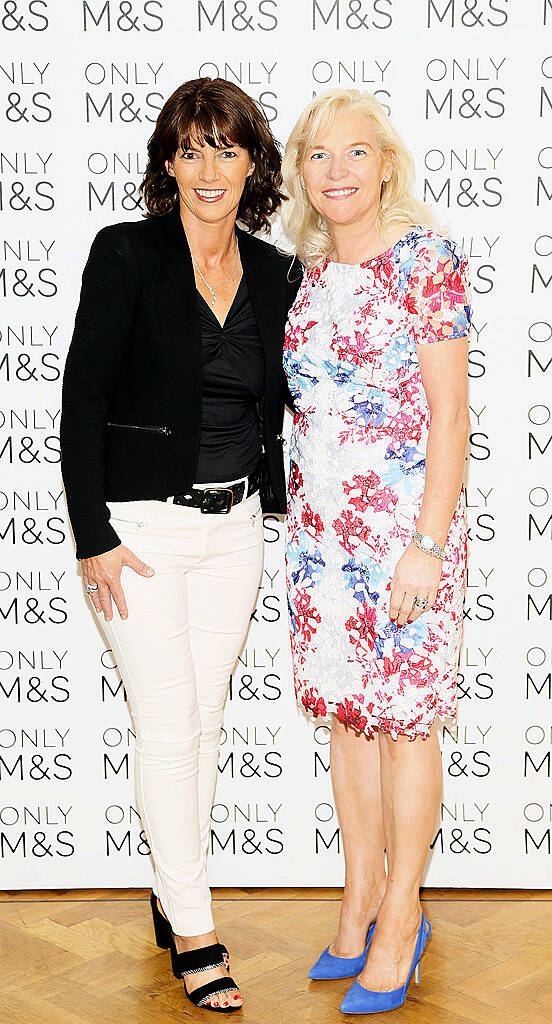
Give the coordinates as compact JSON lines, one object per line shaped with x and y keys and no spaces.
{"x":233,"y":383}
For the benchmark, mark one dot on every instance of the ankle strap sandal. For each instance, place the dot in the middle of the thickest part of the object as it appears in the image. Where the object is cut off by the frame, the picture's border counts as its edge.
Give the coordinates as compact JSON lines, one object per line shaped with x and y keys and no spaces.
{"x":205,"y":959}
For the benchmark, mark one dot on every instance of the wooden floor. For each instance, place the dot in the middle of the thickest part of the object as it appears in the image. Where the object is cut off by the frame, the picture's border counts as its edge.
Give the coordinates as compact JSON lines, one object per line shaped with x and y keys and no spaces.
{"x":88,"y":957}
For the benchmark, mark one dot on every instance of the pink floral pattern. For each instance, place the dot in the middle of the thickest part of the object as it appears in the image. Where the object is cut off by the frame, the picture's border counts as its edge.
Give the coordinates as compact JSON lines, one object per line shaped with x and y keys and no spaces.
{"x":356,"y":483}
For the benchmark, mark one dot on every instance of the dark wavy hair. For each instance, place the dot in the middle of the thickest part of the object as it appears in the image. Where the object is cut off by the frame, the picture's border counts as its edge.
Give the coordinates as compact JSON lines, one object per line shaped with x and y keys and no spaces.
{"x":219,"y":113}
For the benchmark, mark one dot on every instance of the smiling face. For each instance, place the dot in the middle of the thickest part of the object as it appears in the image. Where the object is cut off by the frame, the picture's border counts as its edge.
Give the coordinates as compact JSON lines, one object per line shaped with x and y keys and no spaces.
{"x":343,"y":170}
{"x":210,"y":180}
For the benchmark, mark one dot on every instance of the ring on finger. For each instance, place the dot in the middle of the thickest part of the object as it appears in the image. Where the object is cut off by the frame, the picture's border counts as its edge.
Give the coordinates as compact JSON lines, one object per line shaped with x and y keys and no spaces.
{"x":91,"y":587}
{"x":420,"y":602}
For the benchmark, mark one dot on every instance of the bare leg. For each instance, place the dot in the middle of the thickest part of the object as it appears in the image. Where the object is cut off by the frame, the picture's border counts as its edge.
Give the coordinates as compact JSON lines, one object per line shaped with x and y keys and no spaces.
{"x":355,"y":765}
{"x":411,"y":780}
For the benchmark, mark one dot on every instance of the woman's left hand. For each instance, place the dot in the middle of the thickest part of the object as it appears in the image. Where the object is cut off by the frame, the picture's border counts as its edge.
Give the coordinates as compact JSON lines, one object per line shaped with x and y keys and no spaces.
{"x":417,"y":574}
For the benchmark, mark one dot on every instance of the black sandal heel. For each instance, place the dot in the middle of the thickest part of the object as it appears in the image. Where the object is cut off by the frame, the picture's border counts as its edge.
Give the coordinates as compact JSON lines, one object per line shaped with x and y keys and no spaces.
{"x":204,"y":959}
{"x":162,"y":927}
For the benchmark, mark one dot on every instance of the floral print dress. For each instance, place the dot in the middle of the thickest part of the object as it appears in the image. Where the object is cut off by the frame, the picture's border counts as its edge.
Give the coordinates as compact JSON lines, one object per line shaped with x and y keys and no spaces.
{"x":356,"y":483}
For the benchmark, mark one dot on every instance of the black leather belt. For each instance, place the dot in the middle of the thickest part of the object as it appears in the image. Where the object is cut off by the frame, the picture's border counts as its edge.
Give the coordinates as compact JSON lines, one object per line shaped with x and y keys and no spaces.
{"x":218,"y":500}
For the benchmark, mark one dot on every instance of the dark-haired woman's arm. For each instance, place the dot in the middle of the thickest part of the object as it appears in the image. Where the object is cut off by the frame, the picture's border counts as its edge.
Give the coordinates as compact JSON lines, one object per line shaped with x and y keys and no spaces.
{"x":294,"y":277}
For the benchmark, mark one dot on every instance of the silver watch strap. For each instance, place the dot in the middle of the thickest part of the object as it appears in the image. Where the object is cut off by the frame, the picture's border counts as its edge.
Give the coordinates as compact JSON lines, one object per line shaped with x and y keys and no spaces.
{"x":432,"y":549}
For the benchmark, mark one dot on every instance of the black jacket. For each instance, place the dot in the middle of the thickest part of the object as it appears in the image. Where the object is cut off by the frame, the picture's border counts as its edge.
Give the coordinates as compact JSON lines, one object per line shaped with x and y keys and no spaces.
{"x":131,"y":401}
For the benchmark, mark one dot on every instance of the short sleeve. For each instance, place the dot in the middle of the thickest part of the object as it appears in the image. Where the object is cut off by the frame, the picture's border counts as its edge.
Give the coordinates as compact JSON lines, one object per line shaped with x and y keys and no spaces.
{"x":439,"y":292}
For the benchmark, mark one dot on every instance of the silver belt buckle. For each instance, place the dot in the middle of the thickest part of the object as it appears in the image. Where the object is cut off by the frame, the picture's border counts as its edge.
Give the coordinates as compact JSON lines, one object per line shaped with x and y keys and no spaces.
{"x":211,"y":492}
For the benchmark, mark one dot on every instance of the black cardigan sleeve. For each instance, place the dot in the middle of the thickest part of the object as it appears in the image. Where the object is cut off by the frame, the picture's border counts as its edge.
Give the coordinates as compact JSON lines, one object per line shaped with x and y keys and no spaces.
{"x":102,"y":326}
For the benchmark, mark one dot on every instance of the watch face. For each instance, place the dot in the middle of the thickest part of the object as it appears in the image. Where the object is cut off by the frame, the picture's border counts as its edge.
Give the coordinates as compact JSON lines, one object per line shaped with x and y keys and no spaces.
{"x":427,"y":542}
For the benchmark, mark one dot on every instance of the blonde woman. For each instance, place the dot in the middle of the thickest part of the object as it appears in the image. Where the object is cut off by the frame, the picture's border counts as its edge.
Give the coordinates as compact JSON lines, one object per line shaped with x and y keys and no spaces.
{"x":376,"y":360}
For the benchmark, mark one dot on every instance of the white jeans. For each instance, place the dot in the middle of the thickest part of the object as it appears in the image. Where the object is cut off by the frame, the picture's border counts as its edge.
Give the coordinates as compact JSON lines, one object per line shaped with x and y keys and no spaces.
{"x":175,"y":652}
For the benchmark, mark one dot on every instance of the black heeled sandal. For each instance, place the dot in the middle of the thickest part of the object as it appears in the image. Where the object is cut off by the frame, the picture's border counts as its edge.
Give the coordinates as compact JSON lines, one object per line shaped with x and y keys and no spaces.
{"x":162,"y":927}
{"x":204,"y":959}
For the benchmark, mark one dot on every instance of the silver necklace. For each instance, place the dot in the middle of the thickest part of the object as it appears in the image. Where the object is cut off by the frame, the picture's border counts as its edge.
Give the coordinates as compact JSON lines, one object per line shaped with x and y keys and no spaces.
{"x":220,"y":284}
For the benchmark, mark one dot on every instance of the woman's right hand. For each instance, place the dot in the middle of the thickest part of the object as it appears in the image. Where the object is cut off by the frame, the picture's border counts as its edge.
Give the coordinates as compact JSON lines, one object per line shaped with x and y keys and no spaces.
{"x":105,"y":570}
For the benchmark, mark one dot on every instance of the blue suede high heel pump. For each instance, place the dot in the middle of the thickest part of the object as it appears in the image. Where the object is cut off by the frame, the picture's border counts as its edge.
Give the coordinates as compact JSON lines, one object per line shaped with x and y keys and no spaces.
{"x":329,"y":966}
{"x":363,"y":1000}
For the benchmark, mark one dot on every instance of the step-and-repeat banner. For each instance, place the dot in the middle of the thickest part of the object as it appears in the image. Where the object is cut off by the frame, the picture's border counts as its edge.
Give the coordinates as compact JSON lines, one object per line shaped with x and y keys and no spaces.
{"x":468,"y":83}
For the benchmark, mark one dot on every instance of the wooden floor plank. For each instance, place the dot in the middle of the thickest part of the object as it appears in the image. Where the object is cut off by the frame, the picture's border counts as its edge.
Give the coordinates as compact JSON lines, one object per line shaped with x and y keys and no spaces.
{"x":89,"y":957}
{"x":285,"y":894}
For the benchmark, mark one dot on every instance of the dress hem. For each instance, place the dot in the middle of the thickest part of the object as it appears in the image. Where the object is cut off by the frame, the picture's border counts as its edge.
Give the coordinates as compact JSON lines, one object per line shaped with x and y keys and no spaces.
{"x":362,"y":720}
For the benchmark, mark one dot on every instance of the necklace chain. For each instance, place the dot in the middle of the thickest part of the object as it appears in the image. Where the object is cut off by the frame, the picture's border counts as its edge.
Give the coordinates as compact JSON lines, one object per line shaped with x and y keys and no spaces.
{"x":220,"y":284}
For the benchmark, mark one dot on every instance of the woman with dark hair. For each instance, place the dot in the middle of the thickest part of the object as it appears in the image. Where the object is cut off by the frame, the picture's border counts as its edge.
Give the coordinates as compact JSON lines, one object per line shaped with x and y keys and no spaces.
{"x":173,"y":399}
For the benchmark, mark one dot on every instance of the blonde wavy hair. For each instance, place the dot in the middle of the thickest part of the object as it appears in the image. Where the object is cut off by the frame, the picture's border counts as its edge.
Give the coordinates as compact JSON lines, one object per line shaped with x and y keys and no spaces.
{"x":303,"y":225}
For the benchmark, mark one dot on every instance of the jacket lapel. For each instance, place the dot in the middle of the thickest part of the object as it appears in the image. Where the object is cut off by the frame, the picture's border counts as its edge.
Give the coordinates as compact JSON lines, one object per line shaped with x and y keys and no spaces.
{"x":180,"y":329}
{"x":267,"y":291}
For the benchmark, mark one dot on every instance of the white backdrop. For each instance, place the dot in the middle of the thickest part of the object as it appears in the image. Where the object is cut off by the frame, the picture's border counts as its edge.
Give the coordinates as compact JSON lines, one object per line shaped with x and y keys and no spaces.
{"x":469,"y":85}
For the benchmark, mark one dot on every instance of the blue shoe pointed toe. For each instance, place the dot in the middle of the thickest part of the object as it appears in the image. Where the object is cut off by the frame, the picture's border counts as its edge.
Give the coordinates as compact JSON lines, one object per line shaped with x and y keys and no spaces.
{"x":329,"y":966}
{"x":363,"y":1000}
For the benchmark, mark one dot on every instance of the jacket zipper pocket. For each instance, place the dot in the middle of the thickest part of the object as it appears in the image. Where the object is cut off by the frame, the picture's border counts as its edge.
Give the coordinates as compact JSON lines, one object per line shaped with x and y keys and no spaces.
{"x":131,"y":522}
{"x":134,"y":426}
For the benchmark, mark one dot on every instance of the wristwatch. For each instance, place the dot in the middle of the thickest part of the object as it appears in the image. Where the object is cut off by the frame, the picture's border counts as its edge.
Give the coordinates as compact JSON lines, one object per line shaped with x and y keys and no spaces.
{"x":427,"y":544}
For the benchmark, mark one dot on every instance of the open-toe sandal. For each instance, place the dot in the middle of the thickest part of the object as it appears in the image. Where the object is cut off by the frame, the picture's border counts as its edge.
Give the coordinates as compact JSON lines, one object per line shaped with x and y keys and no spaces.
{"x":204,"y":959}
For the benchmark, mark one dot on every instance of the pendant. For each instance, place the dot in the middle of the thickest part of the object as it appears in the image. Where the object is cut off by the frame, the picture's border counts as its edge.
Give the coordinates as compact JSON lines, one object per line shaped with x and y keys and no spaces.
{"x":214,"y":299}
